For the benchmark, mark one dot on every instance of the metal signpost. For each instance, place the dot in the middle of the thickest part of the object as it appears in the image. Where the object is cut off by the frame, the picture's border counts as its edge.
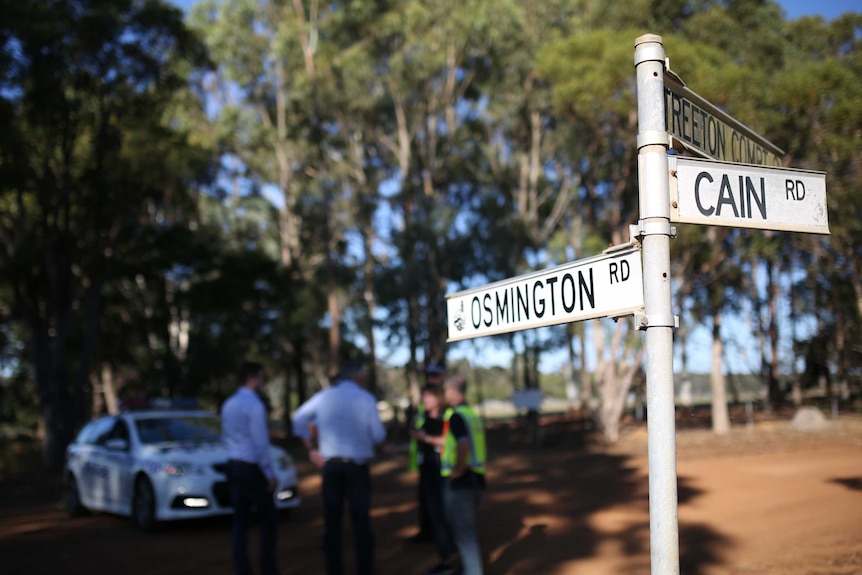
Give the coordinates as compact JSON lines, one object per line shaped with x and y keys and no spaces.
{"x":659,"y":321}
{"x":735,"y":194}
{"x":607,"y":285}
{"x":635,"y":279}
{"x":720,"y":194}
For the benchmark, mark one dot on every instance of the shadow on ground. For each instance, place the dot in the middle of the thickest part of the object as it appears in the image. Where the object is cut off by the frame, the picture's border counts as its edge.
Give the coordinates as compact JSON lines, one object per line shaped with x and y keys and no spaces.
{"x":548,"y":510}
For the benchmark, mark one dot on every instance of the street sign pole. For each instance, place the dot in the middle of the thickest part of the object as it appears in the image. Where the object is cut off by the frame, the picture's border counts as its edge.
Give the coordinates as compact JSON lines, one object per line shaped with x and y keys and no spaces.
{"x":658,"y":319}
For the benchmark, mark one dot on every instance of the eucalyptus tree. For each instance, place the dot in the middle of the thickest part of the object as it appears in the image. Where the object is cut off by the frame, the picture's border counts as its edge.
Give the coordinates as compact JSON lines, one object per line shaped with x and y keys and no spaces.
{"x":593,"y":92}
{"x":268,"y":99}
{"x":436,"y":56}
{"x":87,"y":148}
{"x":813,"y":103}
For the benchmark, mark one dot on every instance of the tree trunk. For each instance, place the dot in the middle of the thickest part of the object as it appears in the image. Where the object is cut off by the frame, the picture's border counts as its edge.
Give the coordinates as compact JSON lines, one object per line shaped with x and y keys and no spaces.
{"x":109,"y":389}
{"x":720,"y":417}
{"x":573,"y":393}
{"x":773,"y":293}
{"x":616,"y":381}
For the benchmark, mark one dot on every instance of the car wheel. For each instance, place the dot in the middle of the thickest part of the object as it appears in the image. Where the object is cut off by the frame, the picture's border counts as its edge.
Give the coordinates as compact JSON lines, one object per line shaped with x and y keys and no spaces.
{"x":74,"y":507}
{"x":144,"y":505}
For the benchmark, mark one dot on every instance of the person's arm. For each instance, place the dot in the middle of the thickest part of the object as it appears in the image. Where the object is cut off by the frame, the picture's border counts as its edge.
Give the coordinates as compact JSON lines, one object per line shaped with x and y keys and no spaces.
{"x":260,"y":439}
{"x":458,"y":427}
{"x":304,"y":416}
{"x":378,"y":432}
{"x":463,"y":460}
{"x":304,"y":427}
{"x":435,"y":440}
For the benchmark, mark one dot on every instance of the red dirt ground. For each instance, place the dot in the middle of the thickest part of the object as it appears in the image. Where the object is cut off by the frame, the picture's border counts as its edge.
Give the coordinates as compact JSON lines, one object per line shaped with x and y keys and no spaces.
{"x":767,"y":499}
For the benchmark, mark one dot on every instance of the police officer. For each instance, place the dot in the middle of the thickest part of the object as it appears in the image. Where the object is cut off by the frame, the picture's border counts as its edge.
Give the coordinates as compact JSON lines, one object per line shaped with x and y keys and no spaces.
{"x":462,"y":465}
{"x":430,"y":439}
{"x":434,"y":376}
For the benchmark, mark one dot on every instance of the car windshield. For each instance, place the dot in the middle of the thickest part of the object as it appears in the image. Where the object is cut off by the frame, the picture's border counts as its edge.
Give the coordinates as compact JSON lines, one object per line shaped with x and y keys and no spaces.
{"x":179,"y":429}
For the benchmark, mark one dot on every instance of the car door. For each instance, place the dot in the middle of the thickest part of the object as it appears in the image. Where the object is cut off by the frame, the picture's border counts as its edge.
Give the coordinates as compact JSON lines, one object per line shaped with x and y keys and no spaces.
{"x":120,"y":462}
{"x":115,"y":460}
{"x":90,"y":470}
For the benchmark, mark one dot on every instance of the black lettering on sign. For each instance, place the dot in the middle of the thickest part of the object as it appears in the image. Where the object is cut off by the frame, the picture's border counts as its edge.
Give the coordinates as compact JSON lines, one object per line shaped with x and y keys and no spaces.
{"x":486,"y":301}
{"x":619,"y":272}
{"x":725,"y":195}
{"x":586,"y":289}
{"x":502,"y":307}
{"x":702,"y":176}
{"x":474,"y":306}
{"x":571,"y":281}
{"x":795,"y":190}
{"x":751,"y":194}
{"x":550,"y":283}
{"x":696,"y":126}
{"x":523,"y":302}
{"x":537,"y":301}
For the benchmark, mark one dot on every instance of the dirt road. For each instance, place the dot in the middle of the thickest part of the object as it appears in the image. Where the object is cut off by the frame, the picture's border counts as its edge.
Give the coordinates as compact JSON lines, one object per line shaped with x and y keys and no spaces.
{"x":763,"y":500}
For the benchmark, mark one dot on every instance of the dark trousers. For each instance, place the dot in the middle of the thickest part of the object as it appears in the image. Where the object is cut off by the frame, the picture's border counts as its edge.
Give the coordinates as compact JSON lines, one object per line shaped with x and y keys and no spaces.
{"x":344,"y":480}
{"x":424,"y":521}
{"x":248,"y":491}
{"x":431,"y":486}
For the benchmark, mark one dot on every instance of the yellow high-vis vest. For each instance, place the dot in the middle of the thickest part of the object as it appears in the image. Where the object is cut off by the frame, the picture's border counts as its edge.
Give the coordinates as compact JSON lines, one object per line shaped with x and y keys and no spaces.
{"x":476,"y":434}
{"x":413,"y":461}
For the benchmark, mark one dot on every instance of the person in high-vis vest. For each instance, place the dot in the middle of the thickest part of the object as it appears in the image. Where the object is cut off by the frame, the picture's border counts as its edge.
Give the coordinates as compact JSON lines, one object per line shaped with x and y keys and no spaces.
{"x":430,"y":445}
{"x":463,"y":465}
{"x":434,"y":374}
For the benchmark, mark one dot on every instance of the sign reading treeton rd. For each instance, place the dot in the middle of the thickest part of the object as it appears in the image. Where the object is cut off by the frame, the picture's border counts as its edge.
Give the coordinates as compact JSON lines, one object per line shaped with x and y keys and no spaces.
{"x":709,"y":131}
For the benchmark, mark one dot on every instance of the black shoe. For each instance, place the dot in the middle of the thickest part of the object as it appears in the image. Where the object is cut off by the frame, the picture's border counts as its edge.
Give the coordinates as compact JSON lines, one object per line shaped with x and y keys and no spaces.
{"x":420,"y":538}
{"x":442,"y":569}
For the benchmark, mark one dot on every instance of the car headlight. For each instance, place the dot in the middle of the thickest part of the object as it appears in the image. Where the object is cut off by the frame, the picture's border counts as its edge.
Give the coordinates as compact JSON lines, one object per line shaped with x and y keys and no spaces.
{"x":285,"y":462}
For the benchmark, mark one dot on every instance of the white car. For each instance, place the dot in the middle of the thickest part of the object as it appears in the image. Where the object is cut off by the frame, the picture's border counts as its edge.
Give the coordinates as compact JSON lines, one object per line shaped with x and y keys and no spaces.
{"x":159,"y":466}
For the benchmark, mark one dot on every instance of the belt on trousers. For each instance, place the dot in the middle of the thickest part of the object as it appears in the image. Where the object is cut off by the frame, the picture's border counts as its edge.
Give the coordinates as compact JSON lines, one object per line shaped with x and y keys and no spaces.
{"x":241,"y":462}
{"x":346,"y":460}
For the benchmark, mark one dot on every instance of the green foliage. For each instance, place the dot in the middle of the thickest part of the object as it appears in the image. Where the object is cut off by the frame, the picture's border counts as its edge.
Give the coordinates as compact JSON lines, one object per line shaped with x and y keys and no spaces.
{"x":175,"y":199}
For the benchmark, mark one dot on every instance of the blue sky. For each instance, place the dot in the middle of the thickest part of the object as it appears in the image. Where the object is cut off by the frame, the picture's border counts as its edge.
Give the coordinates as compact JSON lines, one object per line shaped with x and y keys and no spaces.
{"x":829,"y":9}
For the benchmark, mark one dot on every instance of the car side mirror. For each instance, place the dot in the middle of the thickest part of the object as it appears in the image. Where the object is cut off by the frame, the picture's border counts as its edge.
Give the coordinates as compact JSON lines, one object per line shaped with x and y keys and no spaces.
{"x":117,"y":444}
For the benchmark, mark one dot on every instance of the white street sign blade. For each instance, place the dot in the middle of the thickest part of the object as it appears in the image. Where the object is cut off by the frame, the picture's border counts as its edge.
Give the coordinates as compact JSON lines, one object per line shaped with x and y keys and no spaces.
{"x":709,"y":131}
{"x":744,"y":196}
{"x":607,"y":285}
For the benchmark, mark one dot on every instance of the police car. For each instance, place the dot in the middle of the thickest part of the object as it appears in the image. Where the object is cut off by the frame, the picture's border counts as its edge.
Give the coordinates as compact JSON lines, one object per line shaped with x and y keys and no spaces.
{"x":159,"y":465}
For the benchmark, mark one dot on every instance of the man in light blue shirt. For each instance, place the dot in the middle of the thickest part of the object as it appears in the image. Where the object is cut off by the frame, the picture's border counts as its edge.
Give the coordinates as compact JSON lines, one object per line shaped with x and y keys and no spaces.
{"x":347,"y":428}
{"x":250,"y":471}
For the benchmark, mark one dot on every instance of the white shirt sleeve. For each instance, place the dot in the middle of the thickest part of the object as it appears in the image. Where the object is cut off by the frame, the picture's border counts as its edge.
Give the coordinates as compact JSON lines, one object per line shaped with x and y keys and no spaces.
{"x":305,"y":414}
{"x":260,"y":439}
{"x":378,"y":432}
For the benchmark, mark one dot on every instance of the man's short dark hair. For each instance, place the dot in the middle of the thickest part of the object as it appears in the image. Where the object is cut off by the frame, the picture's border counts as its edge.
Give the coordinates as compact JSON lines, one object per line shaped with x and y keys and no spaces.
{"x":248,"y":370}
{"x":352,"y":370}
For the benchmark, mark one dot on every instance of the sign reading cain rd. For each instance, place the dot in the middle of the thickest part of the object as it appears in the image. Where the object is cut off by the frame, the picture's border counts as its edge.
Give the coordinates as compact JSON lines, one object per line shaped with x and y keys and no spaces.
{"x":607,"y":285}
{"x":722,"y":194}
{"x":709,"y":131}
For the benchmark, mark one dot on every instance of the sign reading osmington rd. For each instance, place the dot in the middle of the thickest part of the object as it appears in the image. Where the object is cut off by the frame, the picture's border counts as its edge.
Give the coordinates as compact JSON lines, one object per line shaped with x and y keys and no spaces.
{"x":709,"y":131}
{"x":721,"y":194}
{"x":607,"y":285}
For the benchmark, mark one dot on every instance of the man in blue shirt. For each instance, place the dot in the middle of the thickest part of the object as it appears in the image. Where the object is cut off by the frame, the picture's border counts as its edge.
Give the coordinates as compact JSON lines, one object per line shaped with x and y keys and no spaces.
{"x":250,"y":471}
{"x":347,"y":429}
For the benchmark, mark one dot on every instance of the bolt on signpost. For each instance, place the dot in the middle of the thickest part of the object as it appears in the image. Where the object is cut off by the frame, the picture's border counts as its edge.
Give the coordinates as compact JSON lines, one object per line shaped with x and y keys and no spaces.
{"x":658,"y":320}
